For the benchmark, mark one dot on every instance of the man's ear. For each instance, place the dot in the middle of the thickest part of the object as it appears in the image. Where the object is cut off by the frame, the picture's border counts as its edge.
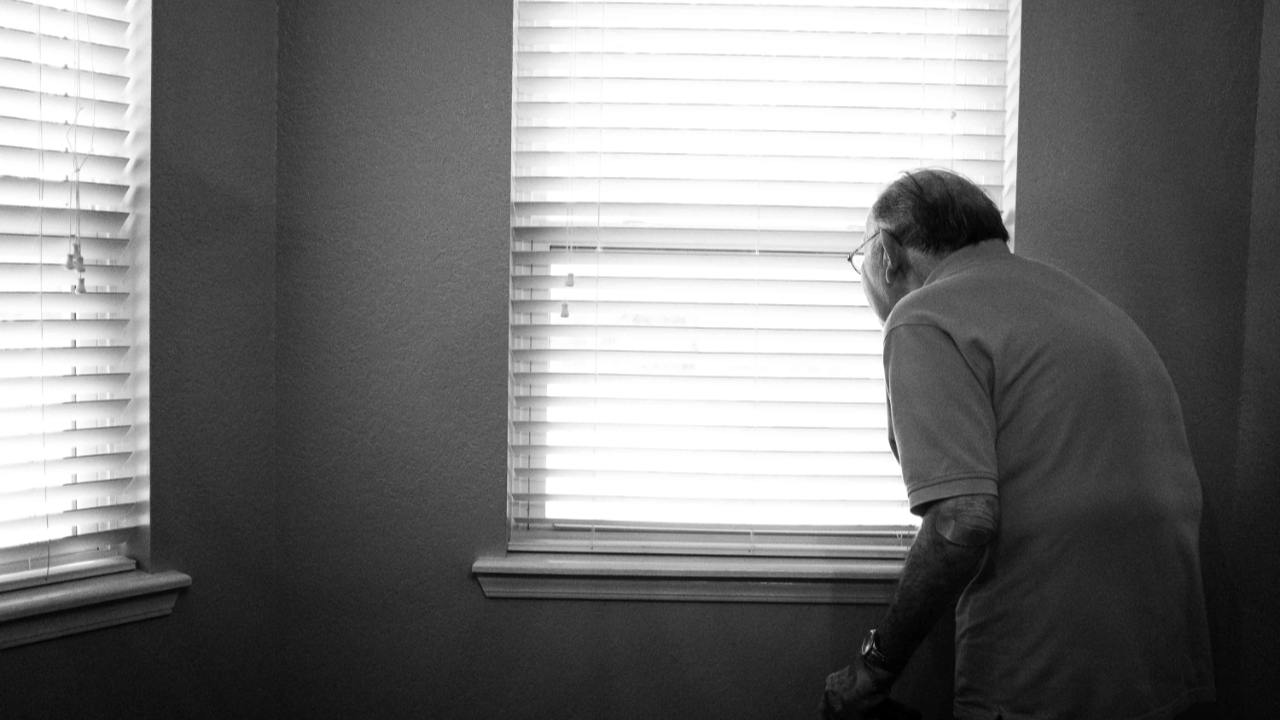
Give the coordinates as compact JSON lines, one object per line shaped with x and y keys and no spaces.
{"x":894,"y":257}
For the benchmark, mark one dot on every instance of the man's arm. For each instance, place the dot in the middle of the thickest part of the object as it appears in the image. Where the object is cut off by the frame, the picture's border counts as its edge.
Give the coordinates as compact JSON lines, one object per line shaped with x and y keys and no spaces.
{"x":943,"y":559}
{"x":946,"y":555}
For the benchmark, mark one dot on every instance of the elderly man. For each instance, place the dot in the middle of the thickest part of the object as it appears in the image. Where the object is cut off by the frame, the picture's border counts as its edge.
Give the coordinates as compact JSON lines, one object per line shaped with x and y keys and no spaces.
{"x":1042,"y":443}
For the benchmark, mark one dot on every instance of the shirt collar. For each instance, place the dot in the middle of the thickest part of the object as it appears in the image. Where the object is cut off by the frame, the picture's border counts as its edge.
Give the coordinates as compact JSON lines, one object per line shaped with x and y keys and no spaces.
{"x":984,"y":251}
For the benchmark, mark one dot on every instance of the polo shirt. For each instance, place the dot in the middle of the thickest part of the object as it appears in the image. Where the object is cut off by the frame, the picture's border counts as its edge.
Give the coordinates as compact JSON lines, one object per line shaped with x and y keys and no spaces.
{"x":1011,"y":378}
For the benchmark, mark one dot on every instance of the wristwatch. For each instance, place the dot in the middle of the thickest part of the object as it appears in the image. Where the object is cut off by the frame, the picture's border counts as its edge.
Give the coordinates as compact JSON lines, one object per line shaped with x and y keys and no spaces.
{"x":873,"y":658}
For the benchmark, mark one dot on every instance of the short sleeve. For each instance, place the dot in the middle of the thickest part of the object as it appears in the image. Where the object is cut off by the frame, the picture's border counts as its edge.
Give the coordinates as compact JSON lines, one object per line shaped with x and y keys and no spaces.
{"x":941,"y":422}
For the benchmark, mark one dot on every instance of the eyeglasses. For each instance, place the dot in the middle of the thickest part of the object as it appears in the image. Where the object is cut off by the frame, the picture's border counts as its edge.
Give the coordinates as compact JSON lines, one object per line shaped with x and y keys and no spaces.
{"x":857,"y":256}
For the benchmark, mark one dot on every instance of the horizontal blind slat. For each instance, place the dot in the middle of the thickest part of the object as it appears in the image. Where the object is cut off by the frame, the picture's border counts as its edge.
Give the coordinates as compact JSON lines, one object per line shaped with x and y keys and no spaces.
{"x":772,"y":118}
{"x":21,"y":391}
{"x":818,"y":95}
{"x":52,"y":249}
{"x":52,"y":473}
{"x":59,"y":219}
{"x":730,"y":411}
{"x":587,"y":288}
{"x":40,"y":501}
{"x":842,"y":143}
{"x":682,"y":339}
{"x":106,"y":9}
{"x":705,"y":437}
{"x":20,"y":279}
{"x":88,"y":140}
{"x":841,"y":505}
{"x":35,"y":193}
{"x":567,"y":374}
{"x":61,"y":52}
{"x":56,"y":416}
{"x":37,"y":362}
{"x":588,"y":361}
{"x":44,"y":108}
{"x":53,"y":81}
{"x":67,"y":20}
{"x":702,"y":314}
{"x":42,"y":304}
{"x":53,"y":445}
{"x":645,"y":195}
{"x":794,"y":389}
{"x":796,"y":264}
{"x":667,"y":211}
{"x":834,"y":463}
{"x":945,"y":44}
{"x":532,"y":168}
{"x":38,"y":333}
{"x":910,"y":18}
{"x":913,"y":15}
{"x":54,"y":166}
{"x":672,"y":66}
{"x":630,"y":479}
{"x":26,"y":531}
{"x":582,"y":217}
{"x":927,"y":4}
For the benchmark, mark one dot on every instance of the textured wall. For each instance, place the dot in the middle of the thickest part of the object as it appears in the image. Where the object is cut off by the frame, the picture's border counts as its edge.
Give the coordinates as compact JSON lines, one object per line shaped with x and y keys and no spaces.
{"x":1257,"y":502}
{"x":1137,"y":127}
{"x":383,"y":319}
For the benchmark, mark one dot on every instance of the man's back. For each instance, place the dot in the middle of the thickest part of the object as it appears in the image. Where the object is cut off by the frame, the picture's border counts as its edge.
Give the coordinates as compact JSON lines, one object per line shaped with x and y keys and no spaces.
{"x":1010,"y":377}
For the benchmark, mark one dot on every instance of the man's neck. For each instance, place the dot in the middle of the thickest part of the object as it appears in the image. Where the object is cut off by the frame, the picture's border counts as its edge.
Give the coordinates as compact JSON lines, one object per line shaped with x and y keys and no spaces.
{"x":920,"y":266}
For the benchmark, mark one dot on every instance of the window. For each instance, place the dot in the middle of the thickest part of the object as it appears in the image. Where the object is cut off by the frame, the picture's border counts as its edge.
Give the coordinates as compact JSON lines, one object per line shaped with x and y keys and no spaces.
{"x":693,"y":367}
{"x":74,"y":178}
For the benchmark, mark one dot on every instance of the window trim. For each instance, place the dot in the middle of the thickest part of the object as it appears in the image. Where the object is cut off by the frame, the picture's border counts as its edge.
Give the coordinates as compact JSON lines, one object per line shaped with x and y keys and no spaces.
{"x":542,"y":573}
{"x":66,"y":608}
{"x":533,"y":541}
{"x":688,"y":578}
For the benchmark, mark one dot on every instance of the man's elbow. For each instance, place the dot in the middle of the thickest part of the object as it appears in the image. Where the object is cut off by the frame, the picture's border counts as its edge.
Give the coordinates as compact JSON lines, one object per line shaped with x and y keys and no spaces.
{"x":970,"y":521}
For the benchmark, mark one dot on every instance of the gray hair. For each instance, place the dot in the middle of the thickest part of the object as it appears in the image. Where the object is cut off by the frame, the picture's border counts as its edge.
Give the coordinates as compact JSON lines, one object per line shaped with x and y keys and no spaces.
{"x":938,"y":212}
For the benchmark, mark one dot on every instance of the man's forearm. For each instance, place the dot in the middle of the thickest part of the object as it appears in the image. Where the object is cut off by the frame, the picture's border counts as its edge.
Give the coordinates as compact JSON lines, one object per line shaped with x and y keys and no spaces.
{"x":936,"y":572}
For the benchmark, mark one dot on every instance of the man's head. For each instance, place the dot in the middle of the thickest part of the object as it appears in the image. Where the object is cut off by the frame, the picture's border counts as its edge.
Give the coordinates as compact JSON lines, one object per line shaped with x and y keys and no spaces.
{"x":937,"y":212}
{"x":919,"y":219}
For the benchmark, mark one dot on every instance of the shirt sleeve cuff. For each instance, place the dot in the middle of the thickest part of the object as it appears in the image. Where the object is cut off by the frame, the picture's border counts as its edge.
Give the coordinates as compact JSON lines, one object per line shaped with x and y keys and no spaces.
{"x":949,"y":488}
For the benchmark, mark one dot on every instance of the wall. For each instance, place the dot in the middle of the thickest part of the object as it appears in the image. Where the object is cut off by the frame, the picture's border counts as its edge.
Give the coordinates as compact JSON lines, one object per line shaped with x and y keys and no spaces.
{"x":1257,"y":500}
{"x":213,"y":479}
{"x":388,"y":340}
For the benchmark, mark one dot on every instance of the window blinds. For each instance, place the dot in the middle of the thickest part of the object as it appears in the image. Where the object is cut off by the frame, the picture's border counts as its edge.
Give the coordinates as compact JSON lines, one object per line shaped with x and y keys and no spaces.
{"x":693,"y":365}
{"x":73,"y":236}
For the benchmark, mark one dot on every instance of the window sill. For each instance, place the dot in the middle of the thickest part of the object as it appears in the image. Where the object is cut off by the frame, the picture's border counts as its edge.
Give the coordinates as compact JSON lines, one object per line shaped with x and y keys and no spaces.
{"x":688,"y":579}
{"x":74,"y":606}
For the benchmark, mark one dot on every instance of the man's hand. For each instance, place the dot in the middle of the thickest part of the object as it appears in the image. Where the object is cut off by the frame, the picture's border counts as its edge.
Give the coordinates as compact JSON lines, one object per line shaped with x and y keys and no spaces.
{"x":857,"y":693}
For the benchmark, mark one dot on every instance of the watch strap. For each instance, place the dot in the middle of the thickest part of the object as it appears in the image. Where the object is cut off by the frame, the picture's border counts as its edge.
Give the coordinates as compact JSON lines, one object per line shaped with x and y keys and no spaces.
{"x":875,"y":659}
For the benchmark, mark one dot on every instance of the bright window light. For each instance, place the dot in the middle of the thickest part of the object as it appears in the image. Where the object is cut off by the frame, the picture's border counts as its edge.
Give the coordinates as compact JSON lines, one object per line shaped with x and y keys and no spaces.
{"x":691,"y":356}
{"x":74,"y":128}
